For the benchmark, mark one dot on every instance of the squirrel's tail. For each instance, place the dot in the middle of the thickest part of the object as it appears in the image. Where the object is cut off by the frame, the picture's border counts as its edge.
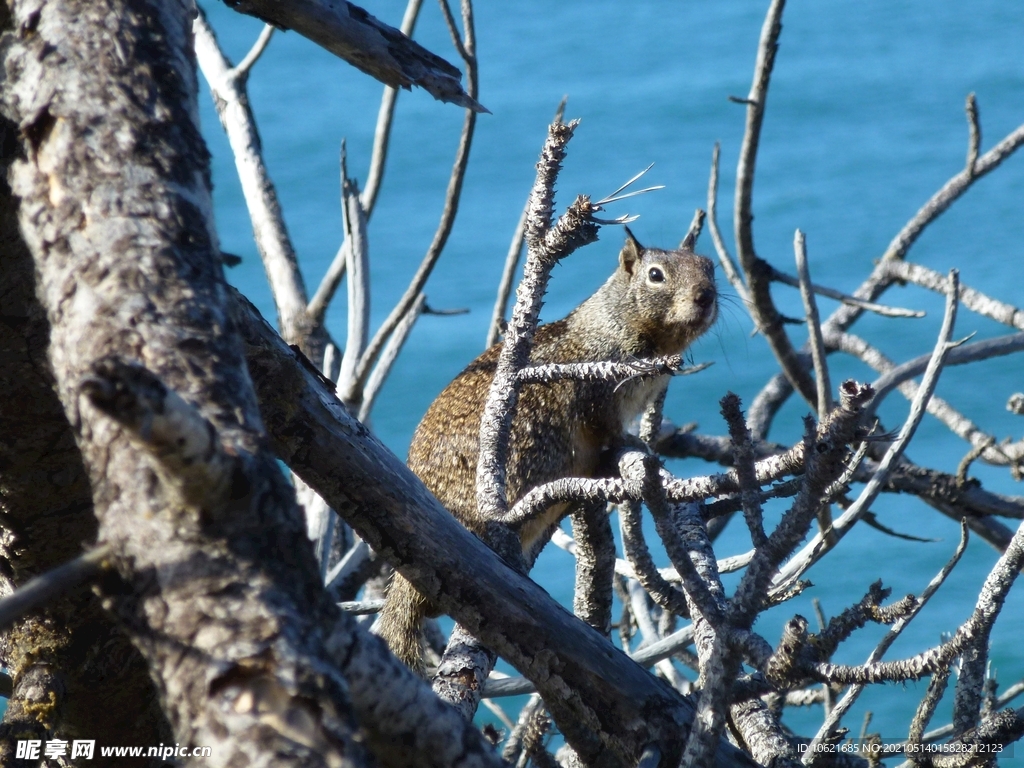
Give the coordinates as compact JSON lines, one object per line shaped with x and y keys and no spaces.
{"x":401,"y":623}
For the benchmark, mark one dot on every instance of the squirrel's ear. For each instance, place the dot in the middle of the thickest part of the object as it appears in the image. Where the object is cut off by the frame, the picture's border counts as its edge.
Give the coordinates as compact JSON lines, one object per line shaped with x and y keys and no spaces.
{"x":630,"y":253}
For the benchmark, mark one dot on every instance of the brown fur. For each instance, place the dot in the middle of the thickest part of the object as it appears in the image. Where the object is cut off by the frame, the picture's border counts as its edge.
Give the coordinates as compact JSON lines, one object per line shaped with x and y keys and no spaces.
{"x":560,"y":428}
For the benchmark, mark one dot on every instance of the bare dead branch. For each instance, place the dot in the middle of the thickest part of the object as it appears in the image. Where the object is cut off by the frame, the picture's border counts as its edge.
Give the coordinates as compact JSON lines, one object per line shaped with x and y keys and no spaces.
{"x":640,"y":607}
{"x":353,"y":560}
{"x":817,"y":343}
{"x":403,"y":721}
{"x":595,"y":565}
{"x":183,"y":444}
{"x":368,"y":44}
{"x":963,"y":354}
{"x":385,"y":118}
{"x":464,"y":668}
{"x":926,"y":708}
{"x":269,"y":230}
{"x":899,"y":377}
{"x":642,"y":564}
{"x":689,"y":241}
{"x":329,"y":283}
{"x":243,"y":67}
{"x":762,"y":308}
{"x":743,"y":454}
{"x":972,"y":299}
{"x":358,"y":284}
{"x":547,"y":244}
{"x":311,"y":431}
{"x":609,"y":370}
{"x":642,"y":472}
{"x":444,"y":228}
{"x":388,"y":357}
{"x":515,"y":250}
{"x":834,"y":718}
{"x":515,"y":743}
{"x":1005,"y":698}
{"x":974,"y":133}
{"x":999,"y":730}
{"x":827,"y":700}
{"x":879,"y":309}
{"x":813,"y":551}
{"x":823,"y":466}
{"x":361,"y":607}
{"x":778,"y":389}
{"x":950,"y":191}
{"x":732,"y":273}
{"x":990,"y":601}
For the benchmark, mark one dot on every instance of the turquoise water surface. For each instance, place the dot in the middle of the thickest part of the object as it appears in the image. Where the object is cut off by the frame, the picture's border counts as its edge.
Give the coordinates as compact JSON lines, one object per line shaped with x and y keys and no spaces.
{"x":864,"y":122}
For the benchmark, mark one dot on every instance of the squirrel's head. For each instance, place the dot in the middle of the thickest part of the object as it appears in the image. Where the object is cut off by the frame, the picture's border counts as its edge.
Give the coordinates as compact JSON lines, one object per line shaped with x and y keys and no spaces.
{"x":673,"y":292}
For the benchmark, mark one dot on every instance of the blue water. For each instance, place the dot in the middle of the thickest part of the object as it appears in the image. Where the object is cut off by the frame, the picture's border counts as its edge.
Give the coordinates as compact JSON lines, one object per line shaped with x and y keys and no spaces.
{"x":864,"y":122}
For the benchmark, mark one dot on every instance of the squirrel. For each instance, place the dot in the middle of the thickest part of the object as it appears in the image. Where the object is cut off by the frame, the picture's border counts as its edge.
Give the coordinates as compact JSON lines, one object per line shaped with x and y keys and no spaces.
{"x":657,"y":302}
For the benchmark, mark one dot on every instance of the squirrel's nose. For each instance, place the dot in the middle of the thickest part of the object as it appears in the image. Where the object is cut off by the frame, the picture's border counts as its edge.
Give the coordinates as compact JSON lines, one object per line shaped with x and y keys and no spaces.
{"x":705,"y":298}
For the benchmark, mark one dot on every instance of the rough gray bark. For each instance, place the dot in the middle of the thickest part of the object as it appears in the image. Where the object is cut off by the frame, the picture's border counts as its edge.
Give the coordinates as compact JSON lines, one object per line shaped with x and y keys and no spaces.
{"x":216,"y":581}
{"x":60,"y":688}
{"x":223,"y":601}
{"x":595,"y":566}
{"x":607,"y":706}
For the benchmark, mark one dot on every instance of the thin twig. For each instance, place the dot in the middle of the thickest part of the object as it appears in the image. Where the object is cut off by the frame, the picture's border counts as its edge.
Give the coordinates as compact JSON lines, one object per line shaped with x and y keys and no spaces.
{"x":778,"y":389}
{"x":243,"y":67}
{"x":743,"y":459}
{"x":362,"y":607}
{"x":358,"y":284}
{"x":689,"y":241}
{"x":833,"y":718}
{"x":824,"y":385}
{"x":269,"y":230}
{"x":385,"y":119}
{"x":389,"y":356}
{"x":732,"y":273}
{"x":827,"y":700}
{"x":375,"y":176}
{"x":814,"y":550}
{"x":47,"y":587}
{"x":898,"y":376}
{"x":508,"y":274}
{"x":974,"y":300}
{"x":761,"y":305}
{"x":963,"y":354}
{"x":879,"y":309}
{"x":990,"y":601}
{"x":465,"y":49}
{"x":974,"y":133}
{"x":451,"y":207}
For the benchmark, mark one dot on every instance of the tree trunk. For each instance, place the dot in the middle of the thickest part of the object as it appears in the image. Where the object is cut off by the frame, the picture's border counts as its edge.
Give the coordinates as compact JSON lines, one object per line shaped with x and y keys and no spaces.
{"x":62,"y":687}
{"x":217,"y":587}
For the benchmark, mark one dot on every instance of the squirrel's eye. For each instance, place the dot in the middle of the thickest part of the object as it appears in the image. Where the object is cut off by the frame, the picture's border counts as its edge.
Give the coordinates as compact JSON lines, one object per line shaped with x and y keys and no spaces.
{"x":655,"y":275}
